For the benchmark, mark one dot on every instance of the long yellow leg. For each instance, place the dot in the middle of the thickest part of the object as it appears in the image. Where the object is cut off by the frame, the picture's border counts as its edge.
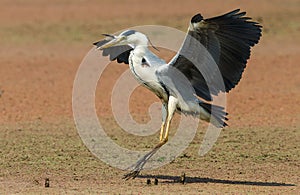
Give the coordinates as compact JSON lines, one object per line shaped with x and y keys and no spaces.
{"x":167,"y":131}
{"x":171,"y":110}
{"x":164,"y":135}
{"x":162,"y":131}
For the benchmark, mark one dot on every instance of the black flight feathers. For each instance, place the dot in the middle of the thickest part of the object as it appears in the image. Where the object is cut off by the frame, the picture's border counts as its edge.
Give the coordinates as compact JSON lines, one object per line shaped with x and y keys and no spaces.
{"x":196,"y":18}
{"x":119,"y":53}
{"x":228,"y":38}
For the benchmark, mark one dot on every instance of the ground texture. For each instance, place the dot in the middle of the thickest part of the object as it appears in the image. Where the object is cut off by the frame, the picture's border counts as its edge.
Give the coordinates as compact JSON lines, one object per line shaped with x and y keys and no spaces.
{"x":42,"y":45}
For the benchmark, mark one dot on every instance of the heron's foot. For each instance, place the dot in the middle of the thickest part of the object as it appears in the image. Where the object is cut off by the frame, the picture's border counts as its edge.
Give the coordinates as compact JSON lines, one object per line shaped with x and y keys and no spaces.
{"x":131,"y":175}
{"x":138,"y":166}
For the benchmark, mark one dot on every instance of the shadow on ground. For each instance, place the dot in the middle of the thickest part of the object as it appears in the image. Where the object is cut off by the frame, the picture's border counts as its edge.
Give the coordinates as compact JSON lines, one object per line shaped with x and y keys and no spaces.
{"x":177,"y":179}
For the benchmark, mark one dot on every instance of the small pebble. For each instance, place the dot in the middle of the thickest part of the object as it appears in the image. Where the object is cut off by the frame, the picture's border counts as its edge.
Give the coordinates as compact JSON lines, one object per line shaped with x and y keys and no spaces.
{"x":148,"y":181}
{"x":155,"y":181}
{"x":47,"y":183}
{"x":182,"y":178}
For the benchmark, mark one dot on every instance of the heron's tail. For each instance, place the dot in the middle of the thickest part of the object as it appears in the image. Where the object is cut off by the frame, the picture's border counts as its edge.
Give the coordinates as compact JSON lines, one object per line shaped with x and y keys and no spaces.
{"x":217,"y":112}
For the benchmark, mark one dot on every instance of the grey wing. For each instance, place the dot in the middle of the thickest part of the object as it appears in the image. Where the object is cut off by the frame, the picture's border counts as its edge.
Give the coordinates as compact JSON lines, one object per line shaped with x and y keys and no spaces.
{"x":224,"y":41}
{"x":152,"y":59}
{"x":119,"y":53}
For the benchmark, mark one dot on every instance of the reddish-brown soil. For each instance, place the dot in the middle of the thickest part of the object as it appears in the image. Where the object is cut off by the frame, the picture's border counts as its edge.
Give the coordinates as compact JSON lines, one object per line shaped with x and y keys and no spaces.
{"x":42,"y":45}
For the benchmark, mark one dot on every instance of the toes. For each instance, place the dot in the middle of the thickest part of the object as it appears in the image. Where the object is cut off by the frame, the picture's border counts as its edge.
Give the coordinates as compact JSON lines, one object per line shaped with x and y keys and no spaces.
{"x":131,"y":175}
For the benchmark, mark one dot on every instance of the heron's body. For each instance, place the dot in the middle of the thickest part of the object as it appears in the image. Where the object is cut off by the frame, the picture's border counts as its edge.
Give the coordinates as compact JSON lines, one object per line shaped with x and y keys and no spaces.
{"x":145,"y":73}
{"x":211,"y":60}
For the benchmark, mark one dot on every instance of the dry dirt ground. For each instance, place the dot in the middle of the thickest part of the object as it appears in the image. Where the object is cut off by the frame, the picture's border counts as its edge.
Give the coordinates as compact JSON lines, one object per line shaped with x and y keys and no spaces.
{"x":42,"y":45}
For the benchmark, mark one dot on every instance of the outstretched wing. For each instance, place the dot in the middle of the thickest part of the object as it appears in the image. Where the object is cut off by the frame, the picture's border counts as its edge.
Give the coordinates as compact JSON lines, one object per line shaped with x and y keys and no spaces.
{"x":228,"y":39}
{"x":120,"y":53}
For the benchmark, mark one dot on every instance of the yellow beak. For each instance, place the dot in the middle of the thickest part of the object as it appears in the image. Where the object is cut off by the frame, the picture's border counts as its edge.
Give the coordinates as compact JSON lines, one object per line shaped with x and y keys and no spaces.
{"x":113,"y":42}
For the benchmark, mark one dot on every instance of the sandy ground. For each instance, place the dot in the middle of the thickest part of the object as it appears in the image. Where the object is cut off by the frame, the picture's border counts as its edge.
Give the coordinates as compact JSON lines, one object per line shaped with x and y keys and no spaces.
{"x":43,"y":44}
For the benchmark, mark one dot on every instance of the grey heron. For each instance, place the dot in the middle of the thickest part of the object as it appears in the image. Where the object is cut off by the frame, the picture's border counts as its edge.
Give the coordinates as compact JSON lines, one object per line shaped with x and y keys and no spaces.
{"x":224,"y":40}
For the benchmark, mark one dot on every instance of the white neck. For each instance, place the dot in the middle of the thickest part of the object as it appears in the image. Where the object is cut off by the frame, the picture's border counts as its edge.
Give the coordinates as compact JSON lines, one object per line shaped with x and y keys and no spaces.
{"x":138,"y":54}
{"x":140,"y":50}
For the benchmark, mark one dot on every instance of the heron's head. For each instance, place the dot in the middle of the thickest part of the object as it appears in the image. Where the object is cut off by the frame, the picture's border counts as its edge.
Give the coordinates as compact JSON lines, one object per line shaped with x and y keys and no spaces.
{"x":128,"y":37}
